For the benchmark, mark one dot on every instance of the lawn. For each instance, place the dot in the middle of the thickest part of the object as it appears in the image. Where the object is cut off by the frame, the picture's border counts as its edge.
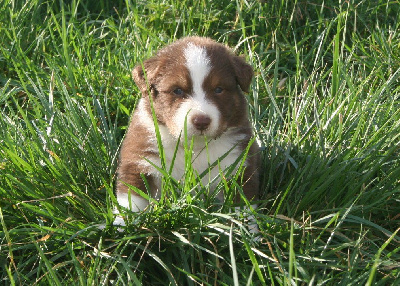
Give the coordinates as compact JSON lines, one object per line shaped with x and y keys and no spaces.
{"x":324,"y":103}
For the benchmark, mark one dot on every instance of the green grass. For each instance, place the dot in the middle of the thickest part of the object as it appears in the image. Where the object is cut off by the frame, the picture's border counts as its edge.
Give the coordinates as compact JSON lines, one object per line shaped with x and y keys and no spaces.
{"x":325,"y":106}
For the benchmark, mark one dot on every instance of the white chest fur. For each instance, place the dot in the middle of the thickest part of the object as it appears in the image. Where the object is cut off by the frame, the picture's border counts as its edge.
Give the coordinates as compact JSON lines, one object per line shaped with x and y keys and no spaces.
{"x":209,"y":157}
{"x":221,"y":152}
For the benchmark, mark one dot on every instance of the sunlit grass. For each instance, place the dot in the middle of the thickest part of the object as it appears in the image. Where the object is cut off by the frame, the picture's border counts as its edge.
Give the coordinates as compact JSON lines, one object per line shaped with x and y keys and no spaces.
{"x":324,"y":105}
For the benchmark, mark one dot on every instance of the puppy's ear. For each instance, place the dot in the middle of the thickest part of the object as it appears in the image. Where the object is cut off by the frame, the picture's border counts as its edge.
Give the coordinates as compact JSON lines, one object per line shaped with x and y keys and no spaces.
{"x":145,"y":75}
{"x":243,"y":72}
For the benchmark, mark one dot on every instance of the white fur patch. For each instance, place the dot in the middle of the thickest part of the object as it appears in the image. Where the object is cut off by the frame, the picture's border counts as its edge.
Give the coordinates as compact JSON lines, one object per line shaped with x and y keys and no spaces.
{"x":136,"y":204}
{"x":203,"y":157}
{"x":198,"y":64}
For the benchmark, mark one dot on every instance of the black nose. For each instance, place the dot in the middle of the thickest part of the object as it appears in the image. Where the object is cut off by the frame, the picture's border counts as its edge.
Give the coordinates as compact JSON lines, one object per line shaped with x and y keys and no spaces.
{"x":201,"y":122}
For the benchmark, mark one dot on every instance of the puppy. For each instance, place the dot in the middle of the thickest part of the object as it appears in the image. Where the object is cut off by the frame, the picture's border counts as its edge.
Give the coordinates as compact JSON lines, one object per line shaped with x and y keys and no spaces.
{"x":194,"y":88}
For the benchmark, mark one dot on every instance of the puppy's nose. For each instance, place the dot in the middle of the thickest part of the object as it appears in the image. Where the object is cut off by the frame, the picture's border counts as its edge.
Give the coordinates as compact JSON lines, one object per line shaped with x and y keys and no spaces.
{"x":201,"y":122}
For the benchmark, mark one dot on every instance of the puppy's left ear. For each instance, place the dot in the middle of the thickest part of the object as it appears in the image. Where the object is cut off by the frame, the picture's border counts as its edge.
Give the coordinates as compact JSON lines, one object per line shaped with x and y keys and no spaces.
{"x":243,"y":71}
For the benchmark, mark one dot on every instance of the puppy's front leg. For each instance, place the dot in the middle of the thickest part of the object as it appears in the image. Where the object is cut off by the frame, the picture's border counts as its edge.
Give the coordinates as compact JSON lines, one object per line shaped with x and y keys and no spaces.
{"x":126,"y":196}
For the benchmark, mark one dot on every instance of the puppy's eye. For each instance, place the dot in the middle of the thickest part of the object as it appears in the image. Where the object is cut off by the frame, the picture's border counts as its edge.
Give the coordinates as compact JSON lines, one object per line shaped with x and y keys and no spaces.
{"x":178,"y":91}
{"x":218,"y":90}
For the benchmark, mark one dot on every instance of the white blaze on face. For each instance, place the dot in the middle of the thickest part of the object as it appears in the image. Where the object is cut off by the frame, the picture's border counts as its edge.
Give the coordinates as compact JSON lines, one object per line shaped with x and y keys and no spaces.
{"x":199,"y":66}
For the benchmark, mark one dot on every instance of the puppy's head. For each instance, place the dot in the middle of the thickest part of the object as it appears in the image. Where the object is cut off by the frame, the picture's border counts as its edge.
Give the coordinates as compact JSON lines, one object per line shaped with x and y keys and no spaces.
{"x":197,"y":81}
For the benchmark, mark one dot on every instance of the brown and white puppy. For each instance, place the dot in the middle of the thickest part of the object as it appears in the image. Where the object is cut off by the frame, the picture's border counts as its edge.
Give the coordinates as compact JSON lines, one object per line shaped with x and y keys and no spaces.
{"x":200,"y":82}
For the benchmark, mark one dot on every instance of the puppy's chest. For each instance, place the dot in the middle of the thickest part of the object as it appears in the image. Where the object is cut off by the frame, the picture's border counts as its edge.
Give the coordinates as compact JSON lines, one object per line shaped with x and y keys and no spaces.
{"x":211,"y":158}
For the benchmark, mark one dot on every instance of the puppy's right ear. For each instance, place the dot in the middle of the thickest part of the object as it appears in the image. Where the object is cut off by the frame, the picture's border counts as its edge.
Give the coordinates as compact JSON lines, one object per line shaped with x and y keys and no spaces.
{"x":145,"y":75}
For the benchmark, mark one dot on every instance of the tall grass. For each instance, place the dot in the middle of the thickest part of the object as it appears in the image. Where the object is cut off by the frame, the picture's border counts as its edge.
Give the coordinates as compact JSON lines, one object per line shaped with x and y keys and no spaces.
{"x":324,"y":104}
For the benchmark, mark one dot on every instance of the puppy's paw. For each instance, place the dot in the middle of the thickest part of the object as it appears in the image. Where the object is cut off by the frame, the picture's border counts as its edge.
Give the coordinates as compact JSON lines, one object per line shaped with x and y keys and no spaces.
{"x":119,"y":221}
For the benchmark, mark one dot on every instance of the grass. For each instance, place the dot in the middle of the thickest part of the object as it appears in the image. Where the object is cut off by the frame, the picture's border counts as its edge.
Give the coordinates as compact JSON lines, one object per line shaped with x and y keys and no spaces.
{"x":325,"y":106}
